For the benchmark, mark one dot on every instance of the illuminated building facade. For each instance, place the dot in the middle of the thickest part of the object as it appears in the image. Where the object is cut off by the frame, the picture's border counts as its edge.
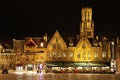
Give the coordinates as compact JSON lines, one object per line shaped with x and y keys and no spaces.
{"x":117,"y":48}
{"x":30,"y":53}
{"x":88,"y":54}
{"x":7,"y":59}
{"x":84,"y":53}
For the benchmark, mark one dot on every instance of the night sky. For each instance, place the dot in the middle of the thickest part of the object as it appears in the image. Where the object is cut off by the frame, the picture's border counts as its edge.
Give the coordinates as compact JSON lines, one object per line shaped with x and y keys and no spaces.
{"x":22,"y":18}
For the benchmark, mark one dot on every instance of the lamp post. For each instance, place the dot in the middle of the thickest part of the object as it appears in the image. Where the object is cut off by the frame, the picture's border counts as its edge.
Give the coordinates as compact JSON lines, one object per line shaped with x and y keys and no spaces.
{"x":112,"y":50}
{"x":113,"y":62}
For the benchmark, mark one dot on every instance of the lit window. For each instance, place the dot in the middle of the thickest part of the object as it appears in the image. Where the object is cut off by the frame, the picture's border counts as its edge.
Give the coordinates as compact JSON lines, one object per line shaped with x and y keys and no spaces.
{"x":83,"y":55}
{"x":64,"y":54}
{"x":41,"y":44}
{"x":59,"y":54}
{"x":71,"y":54}
{"x":54,"y":54}
{"x":71,"y":43}
{"x":88,"y":55}
{"x":96,"y":54}
{"x":104,"y":54}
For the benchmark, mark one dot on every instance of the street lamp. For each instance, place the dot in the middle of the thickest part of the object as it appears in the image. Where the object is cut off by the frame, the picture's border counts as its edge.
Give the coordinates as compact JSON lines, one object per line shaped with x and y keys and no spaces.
{"x":112,"y":49}
{"x":113,"y":62}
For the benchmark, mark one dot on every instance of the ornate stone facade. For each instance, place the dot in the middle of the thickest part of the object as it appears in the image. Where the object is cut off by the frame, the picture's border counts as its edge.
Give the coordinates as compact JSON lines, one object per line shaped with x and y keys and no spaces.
{"x":85,"y":53}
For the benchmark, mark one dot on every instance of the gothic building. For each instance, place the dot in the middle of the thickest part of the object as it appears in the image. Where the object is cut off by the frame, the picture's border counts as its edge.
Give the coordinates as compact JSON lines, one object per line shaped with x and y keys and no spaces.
{"x":84,"y":53}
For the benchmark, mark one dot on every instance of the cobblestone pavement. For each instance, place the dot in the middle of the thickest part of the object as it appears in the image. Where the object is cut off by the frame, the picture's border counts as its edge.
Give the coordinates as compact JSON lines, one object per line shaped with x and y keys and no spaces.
{"x":58,"y":76}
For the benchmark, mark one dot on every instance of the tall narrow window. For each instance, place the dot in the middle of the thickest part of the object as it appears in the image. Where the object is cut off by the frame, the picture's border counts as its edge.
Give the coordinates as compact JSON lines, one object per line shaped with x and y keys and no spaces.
{"x":54,"y":46}
{"x":83,"y":46}
{"x":59,"y":54}
{"x":59,"y":46}
{"x":96,"y":54}
{"x":48,"y":54}
{"x":71,"y":54}
{"x":88,"y":33}
{"x":88,"y":17}
{"x":85,"y":15}
{"x":83,"y":55}
{"x":64,"y":54}
{"x":54,"y":54}
{"x":103,"y":54}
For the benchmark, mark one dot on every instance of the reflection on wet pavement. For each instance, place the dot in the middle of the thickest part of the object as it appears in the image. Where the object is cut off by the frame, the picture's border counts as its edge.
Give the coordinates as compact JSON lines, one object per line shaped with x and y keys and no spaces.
{"x":59,"y":76}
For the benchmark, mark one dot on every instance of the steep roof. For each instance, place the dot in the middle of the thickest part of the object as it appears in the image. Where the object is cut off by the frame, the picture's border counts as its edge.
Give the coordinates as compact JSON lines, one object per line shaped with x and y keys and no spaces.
{"x":57,"y":37}
{"x":30,"y":43}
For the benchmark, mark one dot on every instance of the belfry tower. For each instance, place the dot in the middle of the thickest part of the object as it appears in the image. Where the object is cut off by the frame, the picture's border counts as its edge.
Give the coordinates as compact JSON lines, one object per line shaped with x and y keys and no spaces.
{"x":87,"y":24}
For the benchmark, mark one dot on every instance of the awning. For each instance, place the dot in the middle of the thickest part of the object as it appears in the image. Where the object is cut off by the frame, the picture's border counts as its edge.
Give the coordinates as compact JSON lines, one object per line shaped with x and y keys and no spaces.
{"x":91,"y":64}
{"x":79,"y":64}
{"x":54,"y":64}
{"x":60,"y":64}
{"x":68,"y":64}
{"x":76,"y":64}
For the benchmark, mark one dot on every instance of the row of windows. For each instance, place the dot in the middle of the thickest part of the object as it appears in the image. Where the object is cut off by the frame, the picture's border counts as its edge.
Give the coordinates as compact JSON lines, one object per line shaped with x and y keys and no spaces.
{"x":59,"y":54}
{"x":27,"y":59}
{"x":54,"y":46}
{"x":7,"y":57}
{"x":79,"y":55}
{"x":7,"y":54}
{"x":64,"y":54}
{"x":96,"y":55}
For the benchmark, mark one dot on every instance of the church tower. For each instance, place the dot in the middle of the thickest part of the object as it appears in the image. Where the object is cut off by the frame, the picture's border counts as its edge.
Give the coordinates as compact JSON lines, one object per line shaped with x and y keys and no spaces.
{"x":87,"y":24}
